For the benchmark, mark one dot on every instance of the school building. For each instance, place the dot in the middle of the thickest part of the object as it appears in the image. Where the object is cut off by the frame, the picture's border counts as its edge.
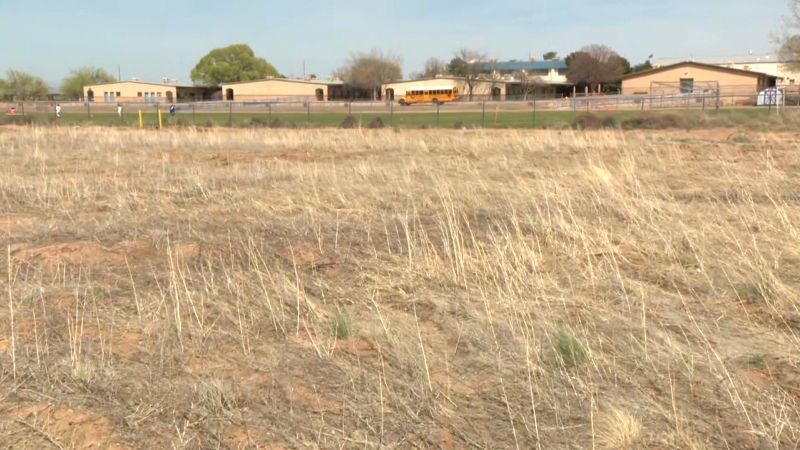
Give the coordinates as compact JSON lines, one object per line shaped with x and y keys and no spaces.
{"x":145,"y":92}
{"x":692,"y":77}
{"x":788,"y":74}
{"x":287,"y":90}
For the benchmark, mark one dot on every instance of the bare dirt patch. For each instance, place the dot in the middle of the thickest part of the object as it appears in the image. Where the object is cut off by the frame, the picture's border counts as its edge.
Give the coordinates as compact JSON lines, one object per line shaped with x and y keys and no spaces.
{"x":66,"y":427}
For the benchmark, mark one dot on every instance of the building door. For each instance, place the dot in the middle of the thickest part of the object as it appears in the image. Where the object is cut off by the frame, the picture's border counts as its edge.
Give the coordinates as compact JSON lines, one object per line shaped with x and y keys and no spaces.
{"x":496,"y":92}
{"x":320,"y":95}
{"x":687,"y":85}
{"x":169,"y":96}
{"x":229,"y":94}
{"x":90,"y":96}
{"x":390,"y":94}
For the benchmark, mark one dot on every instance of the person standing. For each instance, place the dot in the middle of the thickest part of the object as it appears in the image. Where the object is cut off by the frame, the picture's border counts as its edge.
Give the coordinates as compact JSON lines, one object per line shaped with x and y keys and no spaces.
{"x":13,"y":111}
{"x":119,"y":110}
{"x":58,"y":110}
{"x":172,"y":110}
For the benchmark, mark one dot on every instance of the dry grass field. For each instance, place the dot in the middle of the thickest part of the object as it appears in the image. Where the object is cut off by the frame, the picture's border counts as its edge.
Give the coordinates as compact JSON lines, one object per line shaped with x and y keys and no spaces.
{"x":283,"y":289}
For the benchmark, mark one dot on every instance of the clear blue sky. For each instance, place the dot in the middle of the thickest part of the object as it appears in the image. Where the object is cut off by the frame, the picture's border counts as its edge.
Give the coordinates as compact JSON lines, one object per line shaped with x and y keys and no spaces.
{"x":151,"y":39}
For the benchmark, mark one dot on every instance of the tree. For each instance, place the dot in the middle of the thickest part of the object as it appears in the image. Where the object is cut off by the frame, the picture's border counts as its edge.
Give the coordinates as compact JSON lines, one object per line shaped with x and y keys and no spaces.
{"x":24,"y":86}
{"x":527,"y":83}
{"x":3,"y":87}
{"x":433,"y":68}
{"x":789,"y":49}
{"x":369,"y":71}
{"x":595,"y":65}
{"x":467,"y":64}
{"x":647,"y":65}
{"x":236,"y":62}
{"x":550,"y":56}
{"x":72,"y":86}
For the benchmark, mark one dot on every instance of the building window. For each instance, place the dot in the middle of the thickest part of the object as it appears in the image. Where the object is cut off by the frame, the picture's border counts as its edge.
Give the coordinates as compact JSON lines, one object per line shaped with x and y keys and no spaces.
{"x":138,"y":94}
{"x":119,"y":94}
{"x":159,"y":94}
{"x":687,"y":85}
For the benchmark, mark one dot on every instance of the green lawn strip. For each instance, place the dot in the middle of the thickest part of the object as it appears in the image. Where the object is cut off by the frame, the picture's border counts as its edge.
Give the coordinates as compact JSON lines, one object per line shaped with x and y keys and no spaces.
{"x":403,"y":119}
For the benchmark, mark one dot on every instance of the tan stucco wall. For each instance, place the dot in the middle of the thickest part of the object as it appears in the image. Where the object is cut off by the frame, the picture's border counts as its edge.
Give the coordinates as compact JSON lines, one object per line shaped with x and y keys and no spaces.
{"x":274,"y":89}
{"x":480,"y":89}
{"x":129,"y":92}
{"x":728,"y":82}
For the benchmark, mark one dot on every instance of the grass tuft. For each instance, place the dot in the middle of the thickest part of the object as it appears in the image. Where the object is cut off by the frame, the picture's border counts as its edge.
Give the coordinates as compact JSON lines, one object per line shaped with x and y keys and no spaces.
{"x":570,"y":349}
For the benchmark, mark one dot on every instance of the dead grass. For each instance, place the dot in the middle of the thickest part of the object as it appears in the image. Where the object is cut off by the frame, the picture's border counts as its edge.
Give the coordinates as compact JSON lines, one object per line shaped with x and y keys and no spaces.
{"x":446,"y":289}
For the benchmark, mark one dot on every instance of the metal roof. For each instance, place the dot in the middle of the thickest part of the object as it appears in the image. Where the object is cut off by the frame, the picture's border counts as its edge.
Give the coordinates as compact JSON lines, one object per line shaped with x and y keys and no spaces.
{"x":288,"y":80}
{"x":720,"y":60}
{"x":508,"y":66}
{"x":143,"y":82}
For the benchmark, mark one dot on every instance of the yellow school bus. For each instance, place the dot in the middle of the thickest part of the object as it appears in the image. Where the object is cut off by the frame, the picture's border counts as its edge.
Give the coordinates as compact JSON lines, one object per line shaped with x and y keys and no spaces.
{"x":435,"y":95}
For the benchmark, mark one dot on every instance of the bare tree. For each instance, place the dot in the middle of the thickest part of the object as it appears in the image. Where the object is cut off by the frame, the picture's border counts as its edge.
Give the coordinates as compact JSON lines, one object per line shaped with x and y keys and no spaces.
{"x":595,"y":65}
{"x":527,"y":83}
{"x":371,"y":70}
{"x":789,"y":50}
{"x":468,"y":64}
{"x":433,"y":67}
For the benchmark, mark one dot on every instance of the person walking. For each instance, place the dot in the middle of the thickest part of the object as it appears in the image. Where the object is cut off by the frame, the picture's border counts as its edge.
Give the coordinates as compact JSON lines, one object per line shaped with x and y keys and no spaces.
{"x":119,"y":110}
{"x":172,"y":110}
{"x":58,"y":110}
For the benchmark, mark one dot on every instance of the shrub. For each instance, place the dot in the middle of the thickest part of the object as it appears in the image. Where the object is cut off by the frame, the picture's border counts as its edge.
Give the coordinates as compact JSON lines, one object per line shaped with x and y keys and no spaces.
{"x":349,"y":122}
{"x":459,"y":126}
{"x":570,"y":349}
{"x":17,"y":120}
{"x":591,"y":121}
{"x":376,"y":123}
{"x":254,"y":122}
{"x":209,"y":123}
{"x":658,"y":121}
{"x":276,"y":123}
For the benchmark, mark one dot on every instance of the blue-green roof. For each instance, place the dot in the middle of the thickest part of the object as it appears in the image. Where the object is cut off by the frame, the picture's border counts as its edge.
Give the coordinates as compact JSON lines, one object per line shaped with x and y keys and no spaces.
{"x":510,"y":66}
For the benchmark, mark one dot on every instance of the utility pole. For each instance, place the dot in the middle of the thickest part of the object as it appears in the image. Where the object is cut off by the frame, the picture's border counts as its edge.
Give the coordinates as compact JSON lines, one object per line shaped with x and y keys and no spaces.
{"x":119,"y":72}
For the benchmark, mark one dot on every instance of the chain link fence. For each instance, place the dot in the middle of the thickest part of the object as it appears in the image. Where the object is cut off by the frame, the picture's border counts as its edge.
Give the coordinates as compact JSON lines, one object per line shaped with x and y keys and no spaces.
{"x":531,"y":112}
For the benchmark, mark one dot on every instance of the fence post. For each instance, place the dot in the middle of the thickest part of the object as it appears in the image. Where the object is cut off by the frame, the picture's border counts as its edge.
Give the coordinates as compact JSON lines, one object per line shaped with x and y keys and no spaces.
{"x":533,"y":120}
{"x":308,"y":112}
{"x":89,"y":110}
{"x":230,"y":114}
{"x":22,"y":108}
{"x":350,"y":108}
{"x":483,"y":115}
{"x":437,"y":114}
{"x":704,"y":102}
{"x":194,"y":119}
{"x":269,"y":107}
{"x":391,"y":113}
